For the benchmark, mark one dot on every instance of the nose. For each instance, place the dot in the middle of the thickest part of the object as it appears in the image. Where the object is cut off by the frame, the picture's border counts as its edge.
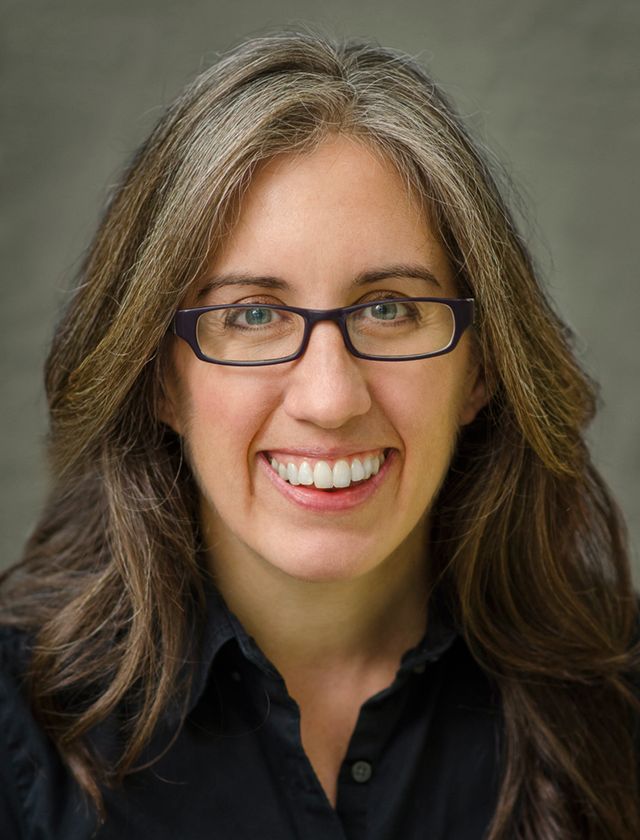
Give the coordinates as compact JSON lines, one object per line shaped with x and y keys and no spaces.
{"x":326,"y":386}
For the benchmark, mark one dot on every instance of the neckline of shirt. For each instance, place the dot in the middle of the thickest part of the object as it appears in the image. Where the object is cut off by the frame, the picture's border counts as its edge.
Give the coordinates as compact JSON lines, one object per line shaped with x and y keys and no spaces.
{"x":222,"y":625}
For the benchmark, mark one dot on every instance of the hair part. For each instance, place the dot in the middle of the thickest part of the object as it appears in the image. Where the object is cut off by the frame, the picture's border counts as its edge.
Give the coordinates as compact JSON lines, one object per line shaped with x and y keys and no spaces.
{"x":527,"y":542}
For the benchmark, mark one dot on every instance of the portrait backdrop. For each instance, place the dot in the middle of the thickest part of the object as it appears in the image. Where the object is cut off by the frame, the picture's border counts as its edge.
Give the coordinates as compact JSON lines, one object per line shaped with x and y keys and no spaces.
{"x":552,"y":88}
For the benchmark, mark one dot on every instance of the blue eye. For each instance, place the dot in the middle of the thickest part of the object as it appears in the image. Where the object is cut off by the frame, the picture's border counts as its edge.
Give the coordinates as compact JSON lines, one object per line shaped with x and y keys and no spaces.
{"x":258,"y":317}
{"x":384,"y":311}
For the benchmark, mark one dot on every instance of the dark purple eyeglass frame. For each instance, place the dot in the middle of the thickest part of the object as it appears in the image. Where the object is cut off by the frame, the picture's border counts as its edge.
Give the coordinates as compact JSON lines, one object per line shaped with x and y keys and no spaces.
{"x":185,"y":322}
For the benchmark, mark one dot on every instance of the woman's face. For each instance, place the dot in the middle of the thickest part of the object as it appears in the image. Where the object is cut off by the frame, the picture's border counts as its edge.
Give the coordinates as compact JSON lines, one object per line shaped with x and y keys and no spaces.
{"x":318,"y":223}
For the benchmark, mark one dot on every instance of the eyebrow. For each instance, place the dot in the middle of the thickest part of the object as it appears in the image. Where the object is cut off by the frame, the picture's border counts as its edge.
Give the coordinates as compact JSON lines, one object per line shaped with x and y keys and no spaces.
{"x":419,"y":272}
{"x":374,"y":275}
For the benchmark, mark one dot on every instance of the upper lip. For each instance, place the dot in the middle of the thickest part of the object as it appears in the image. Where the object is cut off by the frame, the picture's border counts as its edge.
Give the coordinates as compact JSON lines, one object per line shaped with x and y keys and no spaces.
{"x":322,"y":452}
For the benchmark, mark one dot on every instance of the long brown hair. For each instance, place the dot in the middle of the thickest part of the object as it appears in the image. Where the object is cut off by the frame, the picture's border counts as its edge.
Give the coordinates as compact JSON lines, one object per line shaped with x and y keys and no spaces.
{"x":528,"y":545}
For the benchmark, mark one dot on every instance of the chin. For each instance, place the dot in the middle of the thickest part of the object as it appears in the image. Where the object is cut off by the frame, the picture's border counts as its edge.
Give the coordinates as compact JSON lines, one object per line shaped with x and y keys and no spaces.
{"x":321,"y":566}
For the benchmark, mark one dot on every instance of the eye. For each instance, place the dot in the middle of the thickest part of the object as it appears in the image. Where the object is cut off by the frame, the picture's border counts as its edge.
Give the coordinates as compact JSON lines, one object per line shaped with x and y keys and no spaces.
{"x":252,"y":316}
{"x":258,"y":316}
{"x":384,"y":311}
{"x":389,"y":310}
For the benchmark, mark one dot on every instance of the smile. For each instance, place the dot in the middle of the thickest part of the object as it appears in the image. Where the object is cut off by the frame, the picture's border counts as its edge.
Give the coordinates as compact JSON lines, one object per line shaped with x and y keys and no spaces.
{"x":327,"y":475}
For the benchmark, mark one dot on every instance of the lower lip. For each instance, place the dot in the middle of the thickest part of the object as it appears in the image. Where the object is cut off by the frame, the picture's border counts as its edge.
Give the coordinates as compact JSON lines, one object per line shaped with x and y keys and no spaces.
{"x":323,"y":501}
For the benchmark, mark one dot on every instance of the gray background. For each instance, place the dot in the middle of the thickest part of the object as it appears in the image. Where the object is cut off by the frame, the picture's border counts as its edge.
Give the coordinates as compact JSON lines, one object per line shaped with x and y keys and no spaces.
{"x":551,"y":85}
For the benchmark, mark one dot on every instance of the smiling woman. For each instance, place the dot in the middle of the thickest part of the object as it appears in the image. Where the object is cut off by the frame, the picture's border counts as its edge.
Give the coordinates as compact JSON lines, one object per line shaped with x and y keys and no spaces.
{"x":323,"y":532}
{"x":326,"y":412}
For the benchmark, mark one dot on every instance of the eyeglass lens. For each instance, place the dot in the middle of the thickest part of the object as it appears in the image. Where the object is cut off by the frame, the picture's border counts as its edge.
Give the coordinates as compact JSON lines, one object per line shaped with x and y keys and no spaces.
{"x":258,"y":332}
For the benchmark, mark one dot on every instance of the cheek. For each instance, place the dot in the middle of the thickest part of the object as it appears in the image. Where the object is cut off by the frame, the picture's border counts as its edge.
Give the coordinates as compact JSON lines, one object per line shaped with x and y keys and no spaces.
{"x":227,"y":411}
{"x":424,"y":404}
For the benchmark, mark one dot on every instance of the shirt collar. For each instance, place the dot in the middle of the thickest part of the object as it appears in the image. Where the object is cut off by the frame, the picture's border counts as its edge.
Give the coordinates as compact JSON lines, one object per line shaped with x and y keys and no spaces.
{"x":222,"y":626}
{"x":440,"y":634}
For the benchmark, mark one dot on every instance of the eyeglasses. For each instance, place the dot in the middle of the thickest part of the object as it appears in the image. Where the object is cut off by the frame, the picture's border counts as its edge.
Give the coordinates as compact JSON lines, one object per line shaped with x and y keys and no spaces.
{"x":389,"y":330}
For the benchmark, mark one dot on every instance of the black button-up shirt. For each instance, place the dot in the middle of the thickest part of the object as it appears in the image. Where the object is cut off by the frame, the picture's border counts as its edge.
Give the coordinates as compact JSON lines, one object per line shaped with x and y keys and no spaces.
{"x":422,"y":761}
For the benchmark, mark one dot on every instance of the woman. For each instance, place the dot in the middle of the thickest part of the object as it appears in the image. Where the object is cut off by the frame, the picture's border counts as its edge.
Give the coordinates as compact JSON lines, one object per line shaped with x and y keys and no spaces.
{"x":325,"y":555}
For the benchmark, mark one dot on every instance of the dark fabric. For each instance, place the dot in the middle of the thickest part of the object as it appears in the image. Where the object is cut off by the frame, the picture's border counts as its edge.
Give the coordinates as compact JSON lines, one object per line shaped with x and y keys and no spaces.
{"x":422,"y":761}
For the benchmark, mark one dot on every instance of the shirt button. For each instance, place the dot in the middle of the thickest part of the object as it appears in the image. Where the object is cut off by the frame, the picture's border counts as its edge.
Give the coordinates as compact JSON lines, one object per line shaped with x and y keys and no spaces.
{"x":361,"y":771}
{"x":235,"y":676}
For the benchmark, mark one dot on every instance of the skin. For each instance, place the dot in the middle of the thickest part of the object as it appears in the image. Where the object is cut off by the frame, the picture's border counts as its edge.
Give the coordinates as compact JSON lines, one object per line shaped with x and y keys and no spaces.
{"x":333,"y":598}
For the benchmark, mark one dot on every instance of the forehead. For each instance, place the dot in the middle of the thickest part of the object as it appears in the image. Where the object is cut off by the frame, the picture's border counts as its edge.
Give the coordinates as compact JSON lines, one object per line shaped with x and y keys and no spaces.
{"x":340,"y":176}
{"x":336,"y":211}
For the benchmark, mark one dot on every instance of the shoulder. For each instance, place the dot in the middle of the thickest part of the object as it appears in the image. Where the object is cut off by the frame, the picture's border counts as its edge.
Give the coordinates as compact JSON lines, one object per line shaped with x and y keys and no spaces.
{"x":38,"y":796}
{"x":14,"y":660}
{"x":14,"y":644}
{"x":15,"y":733}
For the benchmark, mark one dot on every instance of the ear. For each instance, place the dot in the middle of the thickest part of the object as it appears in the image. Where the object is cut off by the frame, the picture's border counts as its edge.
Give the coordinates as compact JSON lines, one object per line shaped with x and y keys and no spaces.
{"x":166,"y":408}
{"x":167,"y":414}
{"x":476,"y":398}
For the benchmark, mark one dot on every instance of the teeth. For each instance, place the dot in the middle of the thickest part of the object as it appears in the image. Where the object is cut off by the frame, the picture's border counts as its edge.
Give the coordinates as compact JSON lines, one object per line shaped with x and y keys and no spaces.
{"x":324,"y":477}
{"x":357,"y":470}
{"x":341,"y":474}
{"x":305,"y":474}
{"x":292,"y":474}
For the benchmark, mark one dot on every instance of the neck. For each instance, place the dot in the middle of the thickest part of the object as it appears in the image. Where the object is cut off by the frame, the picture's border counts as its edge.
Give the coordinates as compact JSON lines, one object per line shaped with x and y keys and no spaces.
{"x":365,"y":622}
